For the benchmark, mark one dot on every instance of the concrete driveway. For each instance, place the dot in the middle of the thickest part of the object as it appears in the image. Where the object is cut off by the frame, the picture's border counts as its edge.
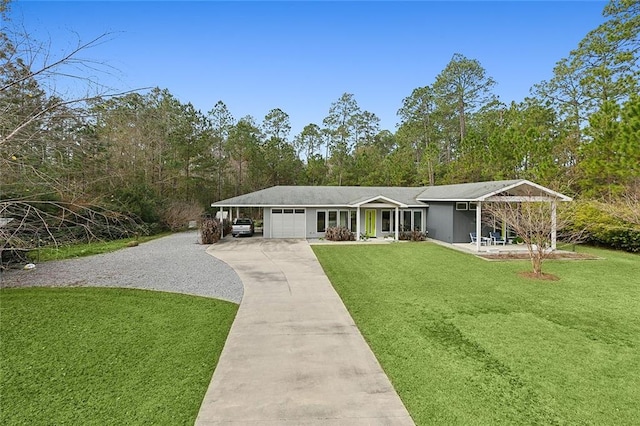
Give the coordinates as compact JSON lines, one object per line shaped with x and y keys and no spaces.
{"x":294,"y":355}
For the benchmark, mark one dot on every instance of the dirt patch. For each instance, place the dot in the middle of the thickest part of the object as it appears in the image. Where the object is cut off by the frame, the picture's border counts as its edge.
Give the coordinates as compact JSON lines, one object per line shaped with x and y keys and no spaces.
{"x":525,"y":256}
{"x":541,"y":277}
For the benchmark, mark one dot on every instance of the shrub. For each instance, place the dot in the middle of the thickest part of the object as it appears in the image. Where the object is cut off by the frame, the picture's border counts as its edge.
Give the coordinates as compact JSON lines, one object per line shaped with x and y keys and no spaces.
{"x":339,"y":233}
{"x":178,"y":214}
{"x":412,"y":236}
{"x":603,"y":229}
{"x":209,"y":230}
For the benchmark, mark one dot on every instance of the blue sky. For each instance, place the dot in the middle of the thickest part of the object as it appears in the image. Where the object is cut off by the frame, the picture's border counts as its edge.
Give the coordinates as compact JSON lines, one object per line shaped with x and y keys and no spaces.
{"x":302,"y":56}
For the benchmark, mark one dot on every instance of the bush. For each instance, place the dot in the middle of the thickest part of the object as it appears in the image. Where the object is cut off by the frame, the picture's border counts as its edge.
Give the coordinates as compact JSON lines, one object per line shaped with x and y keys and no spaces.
{"x":209,"y":231}
{"x":603,"y":229}
{"x":339,"y":233}
{"x":179,"y":213}
{"x":412,"y":236}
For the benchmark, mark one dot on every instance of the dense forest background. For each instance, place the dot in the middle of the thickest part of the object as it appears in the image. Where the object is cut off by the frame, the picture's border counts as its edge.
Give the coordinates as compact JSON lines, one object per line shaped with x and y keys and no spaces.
{"x":146,"y":155}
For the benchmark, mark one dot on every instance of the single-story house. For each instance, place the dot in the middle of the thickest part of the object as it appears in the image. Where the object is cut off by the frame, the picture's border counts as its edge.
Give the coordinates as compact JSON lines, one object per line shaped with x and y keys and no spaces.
{"x":447,"y":212}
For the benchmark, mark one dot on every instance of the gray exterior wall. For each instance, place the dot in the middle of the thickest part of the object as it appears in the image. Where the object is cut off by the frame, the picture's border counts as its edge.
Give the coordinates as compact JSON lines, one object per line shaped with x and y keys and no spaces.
{"x":311,"y":221}
{"x":464,"y":222}
{"x":447,"y":224}
{"x":440,"y":221}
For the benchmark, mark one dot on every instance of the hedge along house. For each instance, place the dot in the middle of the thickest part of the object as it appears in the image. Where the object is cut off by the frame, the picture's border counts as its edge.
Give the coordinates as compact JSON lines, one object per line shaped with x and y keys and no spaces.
{"x":448,"y":212}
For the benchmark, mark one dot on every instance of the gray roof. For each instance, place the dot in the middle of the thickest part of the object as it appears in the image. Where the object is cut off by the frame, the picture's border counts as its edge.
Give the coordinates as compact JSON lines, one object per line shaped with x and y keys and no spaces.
{"x":323,"y":196}
{"x":481,"y":191}
{"x":465,"y":191}
{"x":349,"y":196}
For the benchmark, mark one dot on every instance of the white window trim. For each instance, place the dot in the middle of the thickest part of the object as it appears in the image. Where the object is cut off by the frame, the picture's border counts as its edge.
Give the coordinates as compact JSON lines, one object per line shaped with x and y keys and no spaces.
{"x":350,"y":214}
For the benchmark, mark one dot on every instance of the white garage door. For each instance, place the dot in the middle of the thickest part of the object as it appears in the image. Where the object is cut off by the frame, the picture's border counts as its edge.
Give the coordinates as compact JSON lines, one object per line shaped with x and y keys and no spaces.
{"x":288,"y":223}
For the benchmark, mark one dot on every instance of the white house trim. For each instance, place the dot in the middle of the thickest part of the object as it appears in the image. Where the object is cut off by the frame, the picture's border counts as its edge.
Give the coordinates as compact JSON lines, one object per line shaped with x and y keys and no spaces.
{"x":369,"y":202}
{"x":552,"y":194}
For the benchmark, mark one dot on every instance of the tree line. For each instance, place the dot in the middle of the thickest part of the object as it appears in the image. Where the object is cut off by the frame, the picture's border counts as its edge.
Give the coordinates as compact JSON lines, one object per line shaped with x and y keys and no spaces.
{"x":139,"y":152}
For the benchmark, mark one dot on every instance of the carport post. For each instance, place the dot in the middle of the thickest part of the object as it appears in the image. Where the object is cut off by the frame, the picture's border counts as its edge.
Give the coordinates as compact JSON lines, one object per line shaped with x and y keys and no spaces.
{"x":553,"y":225}
{"x":397,"y":222}
{"x":221,"y":223}
{"x":478,"y":225}
{"x":358,"y":223}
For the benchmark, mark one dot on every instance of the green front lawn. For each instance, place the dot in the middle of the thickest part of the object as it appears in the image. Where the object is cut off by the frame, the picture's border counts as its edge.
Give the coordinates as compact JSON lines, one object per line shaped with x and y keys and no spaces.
{"x":467,"y":341}
{"x":107,"y":356}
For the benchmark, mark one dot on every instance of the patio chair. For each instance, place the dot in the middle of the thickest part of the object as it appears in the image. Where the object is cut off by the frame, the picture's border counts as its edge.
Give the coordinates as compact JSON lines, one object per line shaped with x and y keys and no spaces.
{"x":496,"y":238}
{"x":474,"y":239}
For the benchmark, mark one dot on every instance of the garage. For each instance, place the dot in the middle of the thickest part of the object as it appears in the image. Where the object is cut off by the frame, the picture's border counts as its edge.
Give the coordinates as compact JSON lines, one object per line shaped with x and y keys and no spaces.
{"x":288,"y":223}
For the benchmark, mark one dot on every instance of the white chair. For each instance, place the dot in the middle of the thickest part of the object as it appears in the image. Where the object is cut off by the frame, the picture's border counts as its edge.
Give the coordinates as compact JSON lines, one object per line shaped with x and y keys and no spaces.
{"x":496,"y":238}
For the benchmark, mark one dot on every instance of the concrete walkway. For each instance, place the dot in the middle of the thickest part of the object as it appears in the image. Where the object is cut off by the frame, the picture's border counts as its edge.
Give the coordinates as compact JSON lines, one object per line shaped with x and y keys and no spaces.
{"x":294,"y":355}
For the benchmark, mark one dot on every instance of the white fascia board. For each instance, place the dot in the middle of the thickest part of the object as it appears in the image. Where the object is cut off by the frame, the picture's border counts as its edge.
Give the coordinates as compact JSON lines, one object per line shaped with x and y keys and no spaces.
{"x":552,"y":193}
{"x":376,"y":198}
{"x":286,"y":206}
{"x":447,"y":200}
{"x":520,"y":198}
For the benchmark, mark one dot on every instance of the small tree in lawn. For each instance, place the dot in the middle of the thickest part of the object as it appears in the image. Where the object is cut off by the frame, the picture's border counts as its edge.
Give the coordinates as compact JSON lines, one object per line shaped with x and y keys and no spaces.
{"x":531,"y":221}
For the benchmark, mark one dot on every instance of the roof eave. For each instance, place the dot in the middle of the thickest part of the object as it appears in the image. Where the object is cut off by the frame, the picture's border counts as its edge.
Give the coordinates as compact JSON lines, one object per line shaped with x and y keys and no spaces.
{"x":551,"y":192}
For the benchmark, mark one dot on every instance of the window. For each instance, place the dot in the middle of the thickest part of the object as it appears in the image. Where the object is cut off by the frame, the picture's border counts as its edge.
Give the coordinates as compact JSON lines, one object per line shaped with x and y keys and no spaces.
{"x":321,"y":222}
{"x":388,"y":220}
{"x":344,"y":218}
{"x":412,"y":220}
{"x":473,"y":206}
{"x":276,"y":211}
{"x":461,"y":206}
{"x":288,"y":211}
{"x":333,"y":218}
{"x":406,"y":220}
{"x":417,"y":220}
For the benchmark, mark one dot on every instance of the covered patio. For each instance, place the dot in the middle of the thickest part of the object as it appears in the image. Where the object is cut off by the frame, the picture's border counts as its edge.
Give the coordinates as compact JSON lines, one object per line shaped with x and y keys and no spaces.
{"x":521,"y":192}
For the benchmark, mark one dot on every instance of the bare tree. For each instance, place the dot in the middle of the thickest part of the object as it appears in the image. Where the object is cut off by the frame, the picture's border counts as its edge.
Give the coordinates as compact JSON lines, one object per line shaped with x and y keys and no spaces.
{"x":43,"y":103}
{"x":627,"y":207}
{"x":535,"y":222}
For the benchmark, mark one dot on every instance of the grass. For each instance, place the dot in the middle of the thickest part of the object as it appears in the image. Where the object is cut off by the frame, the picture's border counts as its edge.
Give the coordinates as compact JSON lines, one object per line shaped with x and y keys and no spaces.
{"x":87,"y":249}
{"x":96,"y":356}
{"x":467,"y":341}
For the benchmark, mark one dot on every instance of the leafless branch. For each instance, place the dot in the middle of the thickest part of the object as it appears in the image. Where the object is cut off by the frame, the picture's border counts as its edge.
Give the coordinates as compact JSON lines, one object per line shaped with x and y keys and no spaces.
{"x":532,"y":221}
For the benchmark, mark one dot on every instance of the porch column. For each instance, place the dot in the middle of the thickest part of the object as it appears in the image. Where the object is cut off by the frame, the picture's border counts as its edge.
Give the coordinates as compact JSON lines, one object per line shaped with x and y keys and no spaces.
{"x":397,"y":223}
{"x":221,"y":223}
{"x":553,"y":225}
{"x":237,"y":211}
{"x":478,"y":225}
{"x":358,"y":223}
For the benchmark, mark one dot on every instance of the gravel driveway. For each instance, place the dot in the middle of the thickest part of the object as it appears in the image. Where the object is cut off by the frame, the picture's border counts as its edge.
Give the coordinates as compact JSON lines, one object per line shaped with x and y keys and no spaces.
{"x":176,"y":263}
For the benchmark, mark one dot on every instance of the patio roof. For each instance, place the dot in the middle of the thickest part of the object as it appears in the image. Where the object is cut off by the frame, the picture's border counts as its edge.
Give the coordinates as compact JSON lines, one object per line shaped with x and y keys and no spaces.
{"x":502,"y":190}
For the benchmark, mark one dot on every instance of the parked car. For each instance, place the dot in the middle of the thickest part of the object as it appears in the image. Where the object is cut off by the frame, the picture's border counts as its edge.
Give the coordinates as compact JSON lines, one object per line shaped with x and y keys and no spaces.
{"x":242,"y":226}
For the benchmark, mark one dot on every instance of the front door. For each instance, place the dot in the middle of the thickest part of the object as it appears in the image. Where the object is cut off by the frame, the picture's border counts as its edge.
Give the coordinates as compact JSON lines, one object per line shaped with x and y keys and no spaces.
{"x":370,"y":223}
